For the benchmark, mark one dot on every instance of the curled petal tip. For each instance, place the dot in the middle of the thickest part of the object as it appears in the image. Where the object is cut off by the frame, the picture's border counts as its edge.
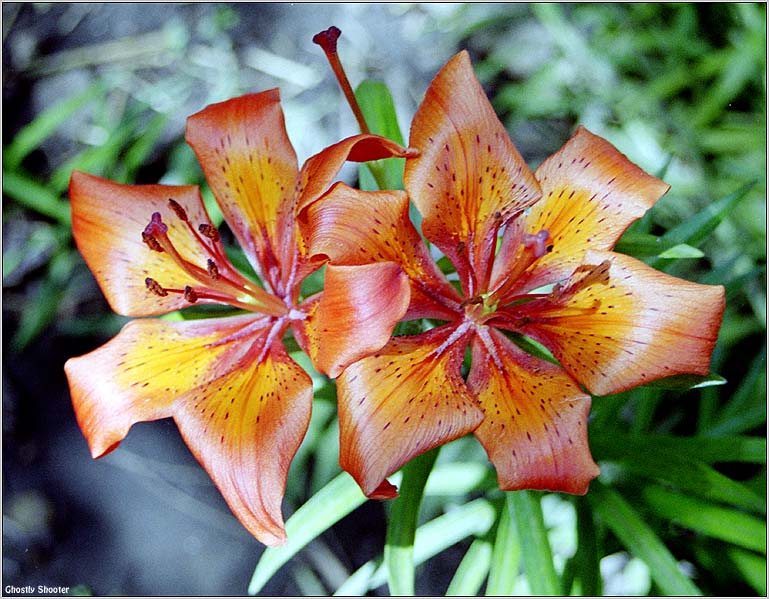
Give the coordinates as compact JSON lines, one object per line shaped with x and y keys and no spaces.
{"x":386,"y":490}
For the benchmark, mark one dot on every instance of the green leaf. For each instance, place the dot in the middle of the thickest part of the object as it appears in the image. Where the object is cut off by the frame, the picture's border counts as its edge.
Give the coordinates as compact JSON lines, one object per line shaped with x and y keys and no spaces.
{"x":402,"y":524}
{"x":470,"y":519}
{"x":640,"y":540}
{"x":472,"y":570}
{"x":747,"y":407}
{"x":587,"y":558}
{"x":35,"y":196}
{"x":611,"y":444}
{"x":751,"y":566}
{"x":685,"y":382}
{"x":379,"y":111}
{"x":696,"y":229}
{"x":324,"y":509}
{"x":532,"y":538}
{"x":506,"y":557}
{"x":712,"y":520}
{"x":44,"y":125}
{"x":686,"y":473}
{"x":644,"y":244}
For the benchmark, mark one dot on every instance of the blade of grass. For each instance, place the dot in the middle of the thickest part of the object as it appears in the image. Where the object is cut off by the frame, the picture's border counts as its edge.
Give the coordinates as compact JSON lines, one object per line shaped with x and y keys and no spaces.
{"x":35,"y":196}
{"x":587,"y":558}
{"x":45,"y":124}
{"x":751,"y":566}
{"x":324,"y":509}
{"x":640,"y":540}
{"x":688,"y":474}
{"x":506,"y":556}
{"x":471,"y":519}
{"x":472,"y":570}
{"x":402,"y":524}
{"x":536,"y":555}
{"x":710,"y":450}
{"x":712,"y":520}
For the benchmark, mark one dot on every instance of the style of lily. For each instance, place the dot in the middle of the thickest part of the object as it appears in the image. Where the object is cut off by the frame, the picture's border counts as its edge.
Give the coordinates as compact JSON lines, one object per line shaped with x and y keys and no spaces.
{"x":534,"y":261}
{"x":241,"y":403}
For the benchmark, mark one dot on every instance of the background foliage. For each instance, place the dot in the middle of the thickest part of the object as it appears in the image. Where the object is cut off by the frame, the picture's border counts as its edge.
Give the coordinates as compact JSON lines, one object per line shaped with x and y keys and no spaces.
{"x":680,"y":507}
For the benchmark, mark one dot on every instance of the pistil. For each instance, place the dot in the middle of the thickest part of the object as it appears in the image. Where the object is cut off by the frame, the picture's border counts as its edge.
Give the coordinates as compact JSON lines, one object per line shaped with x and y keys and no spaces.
{"x":327,"y":40}
{"x":534,"y":246}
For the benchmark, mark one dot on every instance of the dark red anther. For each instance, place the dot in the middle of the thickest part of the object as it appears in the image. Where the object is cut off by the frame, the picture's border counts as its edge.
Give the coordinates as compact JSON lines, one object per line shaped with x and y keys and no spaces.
{"x":327,"y":39}
{"x":155,"y":287}
{"x":190,"y":295}
{"x":177,"y":208}
{"x":151,"y":242}
{"x":209,"y":231}
{"x":213,"y":270}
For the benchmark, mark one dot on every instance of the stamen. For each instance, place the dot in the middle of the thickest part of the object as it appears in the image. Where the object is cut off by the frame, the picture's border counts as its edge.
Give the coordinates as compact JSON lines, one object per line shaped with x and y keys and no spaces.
{"x":213,"y":270}
{"x":537,"y":241}
{"x":177,"y":207}
{"x":153,"y":243}
{"x":190,"y":295}
{"x":209,"y":231}
{"x":534,"y":247}
{"x":327,"y":40}
{"x":155,"y":287}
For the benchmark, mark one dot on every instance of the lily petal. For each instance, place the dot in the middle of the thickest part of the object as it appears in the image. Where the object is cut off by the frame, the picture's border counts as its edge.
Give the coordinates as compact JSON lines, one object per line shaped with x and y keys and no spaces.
{"x":469,"y":178}
{"x":401,"y":402}
{"x":355,"y":314}
{"x":233,"y":392}
{"x":320,"y":170}
{"x":107,"y":223}
{"x":352,"y":227}
{"x":591,"y":193}
{"x":251,"y":166}
{"x":535,"y":429}
{"x":618,"y":323}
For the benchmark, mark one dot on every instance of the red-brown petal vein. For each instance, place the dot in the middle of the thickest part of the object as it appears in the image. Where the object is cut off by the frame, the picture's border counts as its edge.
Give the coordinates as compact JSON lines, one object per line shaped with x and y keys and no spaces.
{"x":401,"y":402}
{"x":535,"y":425}
{"x":107,"y":223}
{"x":618,"y":323}
{"x":469,"y":178}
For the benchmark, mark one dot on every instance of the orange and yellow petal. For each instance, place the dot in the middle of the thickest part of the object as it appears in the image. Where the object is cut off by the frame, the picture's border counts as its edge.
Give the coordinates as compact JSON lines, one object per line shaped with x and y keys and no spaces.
{"x":469,"y":178}
{"x":245,"y":428}
{"x":352,"y":227}
{"x":535,"y":425}
{"x":591,"y":193}
{"x":251,"y":166}
{"x":402,"y":401}
{"x":107,"y":223}
{"x":618,"y":323}
{"x":355,"y":314}
{"x":226,"y":383}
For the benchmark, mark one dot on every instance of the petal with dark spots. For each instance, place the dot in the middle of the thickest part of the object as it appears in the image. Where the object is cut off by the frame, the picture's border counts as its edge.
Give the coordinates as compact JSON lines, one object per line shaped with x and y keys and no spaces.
{"x":535,"y":425}
{"x":617,"y":323}
{"x":401,"y":402}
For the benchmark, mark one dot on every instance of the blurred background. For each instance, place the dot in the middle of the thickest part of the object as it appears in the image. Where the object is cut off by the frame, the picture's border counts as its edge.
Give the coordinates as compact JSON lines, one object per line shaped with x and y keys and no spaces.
{"x":106,"y":88}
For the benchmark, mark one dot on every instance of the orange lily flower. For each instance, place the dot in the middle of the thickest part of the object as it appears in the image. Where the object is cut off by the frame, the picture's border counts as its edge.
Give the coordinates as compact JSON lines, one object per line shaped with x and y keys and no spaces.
{"x":611,"y":321}
{"x":240,"y":402}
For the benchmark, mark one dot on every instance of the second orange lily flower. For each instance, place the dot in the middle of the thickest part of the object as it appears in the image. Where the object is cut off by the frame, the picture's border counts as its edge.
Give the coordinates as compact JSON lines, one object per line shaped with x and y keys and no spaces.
{"x":534,"y":260}
{"x":241,"y":403}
